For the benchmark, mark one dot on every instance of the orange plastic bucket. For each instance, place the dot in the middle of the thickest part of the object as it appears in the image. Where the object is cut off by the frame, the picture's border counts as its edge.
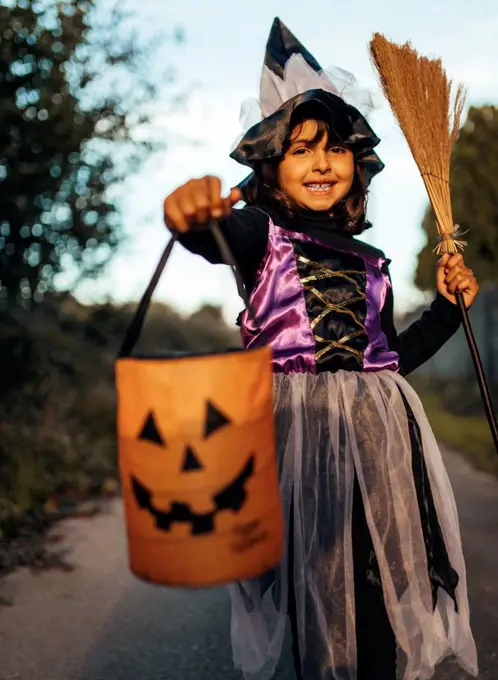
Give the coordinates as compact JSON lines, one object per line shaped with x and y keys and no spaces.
{"x":197,"y":460}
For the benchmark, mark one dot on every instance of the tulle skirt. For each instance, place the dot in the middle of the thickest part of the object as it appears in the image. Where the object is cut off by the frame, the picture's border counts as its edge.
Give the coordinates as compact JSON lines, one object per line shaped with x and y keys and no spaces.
{"x":336,"y":430}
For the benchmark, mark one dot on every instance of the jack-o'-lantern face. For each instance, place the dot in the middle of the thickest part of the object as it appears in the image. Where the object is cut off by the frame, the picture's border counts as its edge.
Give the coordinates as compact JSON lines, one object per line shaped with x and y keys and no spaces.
{"x":198,"y":466}
{"x":231,"y":497}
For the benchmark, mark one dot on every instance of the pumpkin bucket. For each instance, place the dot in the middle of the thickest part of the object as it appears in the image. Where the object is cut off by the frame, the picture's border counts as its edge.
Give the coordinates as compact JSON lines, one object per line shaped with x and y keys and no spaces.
{"x":197,"y":459}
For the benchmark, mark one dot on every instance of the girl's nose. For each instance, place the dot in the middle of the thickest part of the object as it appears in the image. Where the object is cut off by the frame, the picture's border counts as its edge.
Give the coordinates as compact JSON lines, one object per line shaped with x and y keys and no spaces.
{"x":322,"y":161}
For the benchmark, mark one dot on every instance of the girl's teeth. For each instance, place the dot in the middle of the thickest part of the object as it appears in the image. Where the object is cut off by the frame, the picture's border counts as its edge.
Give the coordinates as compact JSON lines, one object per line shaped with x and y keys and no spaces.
{"x":319,"y":187}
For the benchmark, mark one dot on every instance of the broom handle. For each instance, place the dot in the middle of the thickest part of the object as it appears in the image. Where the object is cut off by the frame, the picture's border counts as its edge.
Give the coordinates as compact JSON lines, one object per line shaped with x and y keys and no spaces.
{"x":481,"y":378}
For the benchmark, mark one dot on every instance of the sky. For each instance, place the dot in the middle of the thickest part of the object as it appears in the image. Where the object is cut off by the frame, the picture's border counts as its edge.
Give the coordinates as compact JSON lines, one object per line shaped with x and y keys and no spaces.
{"x":220,"y":65}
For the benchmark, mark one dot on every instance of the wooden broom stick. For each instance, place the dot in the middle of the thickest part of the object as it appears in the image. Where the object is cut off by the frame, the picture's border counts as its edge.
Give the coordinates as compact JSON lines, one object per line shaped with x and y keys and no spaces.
{"x":428,"y":109}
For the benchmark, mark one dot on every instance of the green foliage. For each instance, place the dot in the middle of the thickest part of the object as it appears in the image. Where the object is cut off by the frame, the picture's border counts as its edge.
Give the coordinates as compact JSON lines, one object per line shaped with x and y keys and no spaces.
{"x":57,"y":398}
{"x":73,"y":122}
{"x":474,"y":189}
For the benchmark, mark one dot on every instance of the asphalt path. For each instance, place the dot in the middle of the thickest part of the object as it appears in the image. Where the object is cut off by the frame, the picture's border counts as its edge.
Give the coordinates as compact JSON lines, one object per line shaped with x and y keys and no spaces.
{"x":99,"y":623}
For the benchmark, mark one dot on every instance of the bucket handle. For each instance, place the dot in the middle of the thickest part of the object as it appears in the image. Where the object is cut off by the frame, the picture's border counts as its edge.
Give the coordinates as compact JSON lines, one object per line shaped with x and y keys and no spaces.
{"x":136,"y":325}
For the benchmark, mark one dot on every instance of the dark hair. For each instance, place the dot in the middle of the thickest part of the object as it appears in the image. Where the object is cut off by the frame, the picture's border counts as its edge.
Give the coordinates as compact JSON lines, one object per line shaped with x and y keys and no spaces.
{"x":263,"y":189}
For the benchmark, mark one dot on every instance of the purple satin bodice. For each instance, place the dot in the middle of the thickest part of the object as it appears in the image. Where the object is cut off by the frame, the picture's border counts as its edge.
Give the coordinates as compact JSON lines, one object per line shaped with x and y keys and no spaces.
{"x":294,"y":312}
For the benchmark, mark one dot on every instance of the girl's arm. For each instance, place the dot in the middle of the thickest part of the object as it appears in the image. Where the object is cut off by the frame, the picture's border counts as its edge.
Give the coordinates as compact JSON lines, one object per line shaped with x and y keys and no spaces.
{"x":246,"y":232}
{"x":425,"y":337}
{"x":188,"y":211}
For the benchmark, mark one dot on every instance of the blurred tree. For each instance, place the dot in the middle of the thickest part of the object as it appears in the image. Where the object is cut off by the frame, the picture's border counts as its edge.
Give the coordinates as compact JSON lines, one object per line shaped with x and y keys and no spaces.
{"x":474,"y":189}
{"x":76,"y":89}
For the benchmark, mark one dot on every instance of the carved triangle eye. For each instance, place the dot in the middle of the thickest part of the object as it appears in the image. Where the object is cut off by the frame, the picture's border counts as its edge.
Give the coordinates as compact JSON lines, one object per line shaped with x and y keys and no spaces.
{"x":191,"y":461}
{"x":150,"y":431}
{"x":214,"y":419}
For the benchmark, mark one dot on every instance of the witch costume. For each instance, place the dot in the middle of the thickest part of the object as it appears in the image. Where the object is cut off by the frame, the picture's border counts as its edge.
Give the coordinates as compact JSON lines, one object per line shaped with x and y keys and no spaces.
{"x":373,"y":572}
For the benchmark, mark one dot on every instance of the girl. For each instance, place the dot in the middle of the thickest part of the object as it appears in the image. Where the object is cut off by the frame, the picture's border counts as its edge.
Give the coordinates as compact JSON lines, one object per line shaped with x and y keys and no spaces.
{"x":374,"y":559}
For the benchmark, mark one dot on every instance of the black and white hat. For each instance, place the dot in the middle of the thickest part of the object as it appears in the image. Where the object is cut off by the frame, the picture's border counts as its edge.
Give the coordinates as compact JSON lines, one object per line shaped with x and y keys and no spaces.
{"x":292,"y":78}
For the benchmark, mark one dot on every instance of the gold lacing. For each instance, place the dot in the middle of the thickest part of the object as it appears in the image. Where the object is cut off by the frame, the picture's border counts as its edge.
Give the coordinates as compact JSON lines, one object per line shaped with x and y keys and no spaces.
{"x":340,"y":344}
{"x":320,"y":273}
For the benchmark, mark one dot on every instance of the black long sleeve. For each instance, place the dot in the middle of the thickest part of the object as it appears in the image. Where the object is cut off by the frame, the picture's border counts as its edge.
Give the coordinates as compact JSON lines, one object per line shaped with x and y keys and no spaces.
{"x":424,"y":337}
{"x":246,"y":232}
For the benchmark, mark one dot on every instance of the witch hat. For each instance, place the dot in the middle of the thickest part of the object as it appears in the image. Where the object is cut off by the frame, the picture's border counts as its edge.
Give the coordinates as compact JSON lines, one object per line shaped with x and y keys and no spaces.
{"x":292,"y":77}
{"x":281,"y":45}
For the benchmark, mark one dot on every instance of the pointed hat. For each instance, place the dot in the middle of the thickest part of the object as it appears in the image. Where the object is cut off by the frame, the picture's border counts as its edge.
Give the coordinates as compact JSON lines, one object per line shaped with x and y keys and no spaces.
{"x":291,"y":78}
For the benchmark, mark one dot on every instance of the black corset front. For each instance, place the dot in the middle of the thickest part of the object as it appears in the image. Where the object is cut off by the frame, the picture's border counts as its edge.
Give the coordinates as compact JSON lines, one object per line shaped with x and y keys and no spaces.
{"x":334,"y":286}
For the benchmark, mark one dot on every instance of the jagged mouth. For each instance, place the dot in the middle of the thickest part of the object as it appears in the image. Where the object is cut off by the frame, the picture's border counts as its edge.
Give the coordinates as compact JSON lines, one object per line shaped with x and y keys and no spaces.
{"x":232,"y":497}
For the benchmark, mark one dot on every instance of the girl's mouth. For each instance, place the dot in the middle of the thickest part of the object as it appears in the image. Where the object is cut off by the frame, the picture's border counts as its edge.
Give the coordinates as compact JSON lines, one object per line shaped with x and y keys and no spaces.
{"x":320,"y":187}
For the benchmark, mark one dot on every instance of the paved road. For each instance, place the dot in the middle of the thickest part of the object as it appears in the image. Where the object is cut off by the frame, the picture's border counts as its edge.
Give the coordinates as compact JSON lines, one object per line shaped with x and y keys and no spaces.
{"x":98,"y":623}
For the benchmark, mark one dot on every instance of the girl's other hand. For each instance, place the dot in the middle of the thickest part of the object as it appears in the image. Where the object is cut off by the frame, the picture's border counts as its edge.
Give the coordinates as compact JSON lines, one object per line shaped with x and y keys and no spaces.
{"x":196,"y":203}
{"x":453,"y":275}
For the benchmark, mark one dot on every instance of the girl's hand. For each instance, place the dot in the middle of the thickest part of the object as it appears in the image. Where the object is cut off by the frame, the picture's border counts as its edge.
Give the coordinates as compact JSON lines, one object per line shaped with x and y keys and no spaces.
{"x":452,"y":276}
{"x":196,"y":203}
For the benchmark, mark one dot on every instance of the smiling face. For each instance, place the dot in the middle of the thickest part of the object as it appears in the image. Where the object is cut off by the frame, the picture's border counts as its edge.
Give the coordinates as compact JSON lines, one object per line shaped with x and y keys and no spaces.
{"x":315,"y":173}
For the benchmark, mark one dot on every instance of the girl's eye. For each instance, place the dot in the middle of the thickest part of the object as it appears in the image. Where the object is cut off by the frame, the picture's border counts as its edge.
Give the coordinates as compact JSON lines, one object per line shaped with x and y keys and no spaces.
{"x":299,"y":152}
{"x":337,"y":149}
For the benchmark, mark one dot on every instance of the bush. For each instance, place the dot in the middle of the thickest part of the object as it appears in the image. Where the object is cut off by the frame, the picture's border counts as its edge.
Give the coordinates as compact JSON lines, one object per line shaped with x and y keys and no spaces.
{"x":57,"y":398}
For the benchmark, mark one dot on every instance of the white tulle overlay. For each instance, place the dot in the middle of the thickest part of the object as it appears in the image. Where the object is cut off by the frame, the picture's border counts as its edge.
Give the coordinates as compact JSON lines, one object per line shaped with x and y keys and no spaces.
{"x":330,"y":426}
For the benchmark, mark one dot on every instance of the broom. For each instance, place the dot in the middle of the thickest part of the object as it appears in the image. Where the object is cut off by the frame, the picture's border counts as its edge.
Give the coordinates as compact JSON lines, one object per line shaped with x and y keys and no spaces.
{"x":429,"y":109}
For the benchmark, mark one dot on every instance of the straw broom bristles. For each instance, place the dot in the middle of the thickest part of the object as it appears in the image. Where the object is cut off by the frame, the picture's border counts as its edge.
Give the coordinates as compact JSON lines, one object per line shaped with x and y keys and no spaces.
{"x":428,"y":112}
